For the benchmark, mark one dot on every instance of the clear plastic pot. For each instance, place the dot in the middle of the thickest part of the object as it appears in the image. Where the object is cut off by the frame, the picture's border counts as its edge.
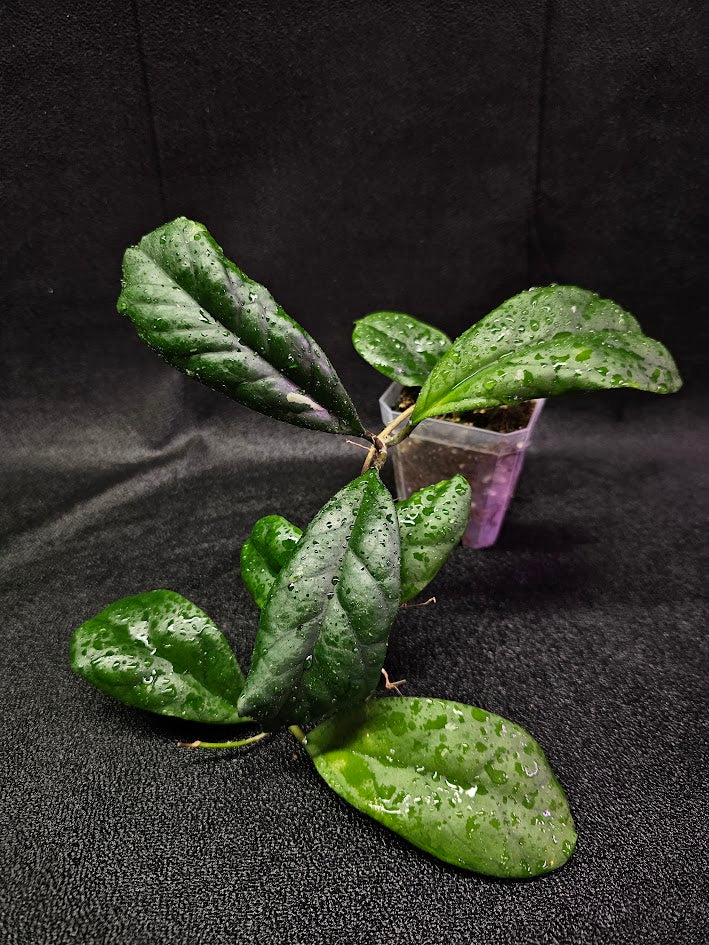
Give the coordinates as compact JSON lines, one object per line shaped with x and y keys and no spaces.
{"x":438,"y":449}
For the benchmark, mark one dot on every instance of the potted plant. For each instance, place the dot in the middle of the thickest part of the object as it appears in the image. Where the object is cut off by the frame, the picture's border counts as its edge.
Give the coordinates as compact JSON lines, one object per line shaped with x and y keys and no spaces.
{"x":463,"y":784}
{"x":481,"y":396}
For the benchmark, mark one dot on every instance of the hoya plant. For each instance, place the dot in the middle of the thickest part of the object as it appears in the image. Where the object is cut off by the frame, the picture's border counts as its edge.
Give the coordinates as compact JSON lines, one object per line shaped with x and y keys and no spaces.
{"x":461,"y":783}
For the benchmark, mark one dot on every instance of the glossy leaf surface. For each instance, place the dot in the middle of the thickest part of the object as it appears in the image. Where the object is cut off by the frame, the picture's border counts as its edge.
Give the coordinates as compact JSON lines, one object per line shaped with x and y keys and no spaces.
{"x":205,"y":317}
{"x":158,"y":651}
{"x":465,"y":785}
{"x":431,"y":523}
{"x":265,"y":552}
{"x":541,"y":343}
{"x":323,"y":633}
{"x":400,"y":347}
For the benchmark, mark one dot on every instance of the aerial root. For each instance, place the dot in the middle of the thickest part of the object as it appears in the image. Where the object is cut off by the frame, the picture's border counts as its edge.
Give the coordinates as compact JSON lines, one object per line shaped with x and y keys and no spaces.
{"x":424,"y":603}
{"x":388,"y":684}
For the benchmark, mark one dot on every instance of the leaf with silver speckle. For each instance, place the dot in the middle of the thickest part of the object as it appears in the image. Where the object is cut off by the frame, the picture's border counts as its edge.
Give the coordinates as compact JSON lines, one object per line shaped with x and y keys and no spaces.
{"x":462,"y":784}
{"x":206,"y":318}
{"x":431,"y":523}
{"x":400,"y":347}
{"x":323,"y":633}
{"x":158,"y":651}
{"x":541,"y":343}
{"x":265,"y":552}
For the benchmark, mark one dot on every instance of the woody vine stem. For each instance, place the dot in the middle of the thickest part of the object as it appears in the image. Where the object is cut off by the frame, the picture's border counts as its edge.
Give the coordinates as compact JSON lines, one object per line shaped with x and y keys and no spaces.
{"x":377,"y":454}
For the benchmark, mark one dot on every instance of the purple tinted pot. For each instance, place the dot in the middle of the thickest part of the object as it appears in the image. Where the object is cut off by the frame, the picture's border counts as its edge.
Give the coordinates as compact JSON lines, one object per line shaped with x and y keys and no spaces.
{"x":438,"y":449}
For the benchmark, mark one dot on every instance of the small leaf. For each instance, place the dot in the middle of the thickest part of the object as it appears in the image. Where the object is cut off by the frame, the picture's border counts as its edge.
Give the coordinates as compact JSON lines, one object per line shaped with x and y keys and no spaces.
{"x":209,"y":320}
{"x":265,"y":552}
{"x":158,"y":651}
{"x":431,"y":523}
{"x":541,"y":343}
{"x":462,"y":784}
{"x":400,"y":347}
{"x":323,"y":633}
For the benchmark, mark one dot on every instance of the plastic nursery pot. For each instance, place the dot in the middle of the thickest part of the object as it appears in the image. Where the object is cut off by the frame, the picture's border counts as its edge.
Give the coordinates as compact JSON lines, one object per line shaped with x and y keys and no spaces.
{"x":438,"y":449}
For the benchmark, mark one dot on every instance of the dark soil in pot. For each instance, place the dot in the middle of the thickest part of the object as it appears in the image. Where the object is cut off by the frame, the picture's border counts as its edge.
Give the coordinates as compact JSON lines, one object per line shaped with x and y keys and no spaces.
{"x":504,"y":419}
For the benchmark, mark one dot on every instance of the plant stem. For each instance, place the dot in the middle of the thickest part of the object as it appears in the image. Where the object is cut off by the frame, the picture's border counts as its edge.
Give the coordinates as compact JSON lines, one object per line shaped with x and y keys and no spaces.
{"x":377,"y":456}
{"x":239,"y":744}
{"x":403,"y":431}
{"x":298,"y":732}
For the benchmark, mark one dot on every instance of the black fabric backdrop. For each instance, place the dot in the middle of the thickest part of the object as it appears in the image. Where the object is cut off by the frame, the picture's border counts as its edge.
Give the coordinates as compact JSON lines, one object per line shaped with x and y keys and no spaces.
{"x":427,"y":157}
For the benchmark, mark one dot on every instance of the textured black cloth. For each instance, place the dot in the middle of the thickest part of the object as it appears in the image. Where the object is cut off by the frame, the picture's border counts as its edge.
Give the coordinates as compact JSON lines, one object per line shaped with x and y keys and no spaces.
{"x":425,"y":157}
{"x":584,"y":624}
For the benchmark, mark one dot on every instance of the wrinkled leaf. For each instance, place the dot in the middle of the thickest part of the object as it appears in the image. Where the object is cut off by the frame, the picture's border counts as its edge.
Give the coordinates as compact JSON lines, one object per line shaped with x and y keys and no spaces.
{"x":265,"y":552}
{"x":462,"y":784}
{"x":158,"y":651}
{"x":431,"y":523}
{"x":541,"y":343}
{"x":323,"y":633}
{"x":400,"y":347}
{"x":205,"y":317}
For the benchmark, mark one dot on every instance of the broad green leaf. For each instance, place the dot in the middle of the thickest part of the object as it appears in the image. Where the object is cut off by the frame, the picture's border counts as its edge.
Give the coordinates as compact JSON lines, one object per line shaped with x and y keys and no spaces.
{"x":203,"y":315}
{"x":323,"y":633}
{"x":431,"y":523}
{"x":267,"y":549}
{"x":158,"y":651}
{"x":541,"y":343}
{"x":462,"y":784}
{"x":400,"y":347}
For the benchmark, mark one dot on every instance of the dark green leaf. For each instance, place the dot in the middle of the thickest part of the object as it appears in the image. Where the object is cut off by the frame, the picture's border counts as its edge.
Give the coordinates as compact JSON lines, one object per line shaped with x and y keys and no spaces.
{"x":204,"y":316}
{"x":159,"y":652}
{"x":400,"y":347}
{"x":465,"y":785}
{"x":541,"y":343}
{"x":267,"y":549}
{"x":323,"y":633}
{"x":431,"y":523}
